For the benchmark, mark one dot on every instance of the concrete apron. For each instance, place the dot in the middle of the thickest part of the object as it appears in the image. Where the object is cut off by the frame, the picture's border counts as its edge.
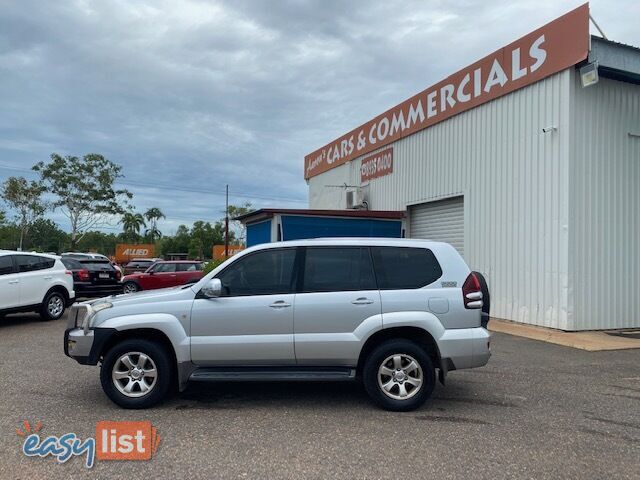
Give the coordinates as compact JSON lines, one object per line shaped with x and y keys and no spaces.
{"x":593,"y":341}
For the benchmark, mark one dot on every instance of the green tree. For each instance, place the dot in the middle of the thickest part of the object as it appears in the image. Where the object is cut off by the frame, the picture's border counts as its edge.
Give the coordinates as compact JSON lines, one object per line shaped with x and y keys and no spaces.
{"x":46,"y":236}
{"x":132,"y":223}
{"x":25,"y":198}
{"x":153,"y":215}
{"x":84,"y":190}
{"x":96,"y":241}
{"x":237,"y":211}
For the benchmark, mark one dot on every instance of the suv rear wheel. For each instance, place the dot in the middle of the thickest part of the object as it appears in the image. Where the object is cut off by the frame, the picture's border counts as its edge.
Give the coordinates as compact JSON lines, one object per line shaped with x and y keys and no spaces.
{"x":399,"y":375}
{"x":53,"y":306}
{"x":136,"y":374}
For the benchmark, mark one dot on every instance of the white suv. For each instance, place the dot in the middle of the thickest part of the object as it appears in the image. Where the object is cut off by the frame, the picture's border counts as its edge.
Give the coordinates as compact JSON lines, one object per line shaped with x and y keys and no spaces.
{"x":34,"y":282}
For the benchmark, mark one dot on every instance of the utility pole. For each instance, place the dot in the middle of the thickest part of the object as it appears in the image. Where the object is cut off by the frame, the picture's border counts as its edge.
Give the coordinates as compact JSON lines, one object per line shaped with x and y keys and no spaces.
{"x":226,"y":225}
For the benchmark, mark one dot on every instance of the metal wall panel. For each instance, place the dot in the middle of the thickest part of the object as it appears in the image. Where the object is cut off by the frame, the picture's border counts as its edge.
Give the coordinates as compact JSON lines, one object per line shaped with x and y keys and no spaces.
{"x":442,"y":221}
{"x":514,"y":179}
{"x":605,"y":205}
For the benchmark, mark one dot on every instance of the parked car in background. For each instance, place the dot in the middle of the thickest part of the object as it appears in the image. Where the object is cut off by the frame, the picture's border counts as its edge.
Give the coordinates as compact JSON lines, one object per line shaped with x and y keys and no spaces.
{"x":84,"y":255}
{"x":34,"y":282}
{"x":139,"y":265}
{"x":164,"y":274}
{"x":94,"y":277}
{"x":92,"y":255}
{"x":389,"y":311}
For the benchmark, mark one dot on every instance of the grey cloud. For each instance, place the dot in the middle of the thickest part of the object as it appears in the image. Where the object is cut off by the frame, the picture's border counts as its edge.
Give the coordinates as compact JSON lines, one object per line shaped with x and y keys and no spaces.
{"x":200,"y":94}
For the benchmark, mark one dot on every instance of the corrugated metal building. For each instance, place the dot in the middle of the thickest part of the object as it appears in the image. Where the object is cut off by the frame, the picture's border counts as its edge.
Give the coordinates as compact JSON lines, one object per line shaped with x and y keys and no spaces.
{"x":537,"y":183}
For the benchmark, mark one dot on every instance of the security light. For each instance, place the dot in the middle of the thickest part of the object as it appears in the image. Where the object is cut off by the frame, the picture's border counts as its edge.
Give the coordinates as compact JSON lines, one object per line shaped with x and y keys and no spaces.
{"x":589,"y":74}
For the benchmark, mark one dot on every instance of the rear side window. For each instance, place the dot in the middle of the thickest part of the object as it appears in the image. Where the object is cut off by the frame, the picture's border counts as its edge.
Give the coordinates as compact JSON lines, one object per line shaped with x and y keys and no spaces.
{"x":403,"y":268}
{"x":6,"y":265}
{"x":334,"y":269}
{"x":267,"y":272}
{"x":29,"y":263}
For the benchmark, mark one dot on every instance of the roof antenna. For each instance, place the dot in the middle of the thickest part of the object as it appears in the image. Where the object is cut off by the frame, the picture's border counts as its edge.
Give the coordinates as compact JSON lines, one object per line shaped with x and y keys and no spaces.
{"x":597,"y":26}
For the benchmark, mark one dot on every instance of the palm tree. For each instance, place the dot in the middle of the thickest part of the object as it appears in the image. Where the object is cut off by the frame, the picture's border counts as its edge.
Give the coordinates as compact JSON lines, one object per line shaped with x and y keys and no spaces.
{"x":153,"y":215}
{"x":132,"y":223}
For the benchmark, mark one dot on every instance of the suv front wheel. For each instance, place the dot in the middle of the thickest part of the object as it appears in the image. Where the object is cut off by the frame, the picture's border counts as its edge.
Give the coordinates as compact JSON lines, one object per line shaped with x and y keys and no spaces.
{"x":136,"y":374}
{"x":399,"y":375}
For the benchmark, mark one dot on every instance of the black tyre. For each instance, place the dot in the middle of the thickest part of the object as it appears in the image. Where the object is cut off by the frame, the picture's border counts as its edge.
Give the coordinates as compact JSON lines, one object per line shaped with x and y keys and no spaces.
{"x":136,"y":373}
{"x":53,"y":306}
{"x":130,"y":287}
{"x":399,"y":375}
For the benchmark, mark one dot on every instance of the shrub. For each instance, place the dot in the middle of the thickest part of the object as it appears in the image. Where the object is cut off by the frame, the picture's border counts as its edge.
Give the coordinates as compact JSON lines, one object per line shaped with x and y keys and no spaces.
{"x":211,"y":264}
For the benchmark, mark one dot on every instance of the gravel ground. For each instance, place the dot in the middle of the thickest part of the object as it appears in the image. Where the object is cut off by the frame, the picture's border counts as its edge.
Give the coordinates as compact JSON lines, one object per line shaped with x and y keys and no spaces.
{"x":536,"y":411}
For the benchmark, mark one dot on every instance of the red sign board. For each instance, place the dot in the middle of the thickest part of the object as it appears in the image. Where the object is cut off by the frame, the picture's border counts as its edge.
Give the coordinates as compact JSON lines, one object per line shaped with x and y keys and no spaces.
{"x":376,"y":165}
{"x":555,"y":47}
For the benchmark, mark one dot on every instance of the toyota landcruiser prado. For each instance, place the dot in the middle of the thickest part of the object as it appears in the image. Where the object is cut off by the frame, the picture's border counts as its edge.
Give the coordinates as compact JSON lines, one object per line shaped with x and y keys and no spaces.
{"x":389,"y":311}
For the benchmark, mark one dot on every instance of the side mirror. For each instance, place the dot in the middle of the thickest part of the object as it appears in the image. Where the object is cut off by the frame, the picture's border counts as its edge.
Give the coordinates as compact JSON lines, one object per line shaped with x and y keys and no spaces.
{"x":213,"y":288}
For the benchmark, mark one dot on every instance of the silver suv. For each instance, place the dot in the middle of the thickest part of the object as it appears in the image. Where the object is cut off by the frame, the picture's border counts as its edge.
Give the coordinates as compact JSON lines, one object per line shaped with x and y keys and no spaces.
{"x":389,"y":311}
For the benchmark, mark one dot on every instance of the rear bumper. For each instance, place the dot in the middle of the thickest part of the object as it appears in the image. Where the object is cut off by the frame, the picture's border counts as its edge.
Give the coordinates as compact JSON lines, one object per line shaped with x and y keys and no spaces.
{"x":91,"y":290}
{"x":464,"y":348}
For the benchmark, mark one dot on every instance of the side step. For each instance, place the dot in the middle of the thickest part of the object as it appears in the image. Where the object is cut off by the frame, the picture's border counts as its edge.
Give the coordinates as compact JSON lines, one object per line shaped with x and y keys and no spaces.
{"x":272,"y":374}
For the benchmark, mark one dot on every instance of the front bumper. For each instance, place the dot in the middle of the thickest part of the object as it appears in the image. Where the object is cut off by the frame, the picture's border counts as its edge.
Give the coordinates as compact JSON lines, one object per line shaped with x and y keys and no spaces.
{"x":86,"y":348}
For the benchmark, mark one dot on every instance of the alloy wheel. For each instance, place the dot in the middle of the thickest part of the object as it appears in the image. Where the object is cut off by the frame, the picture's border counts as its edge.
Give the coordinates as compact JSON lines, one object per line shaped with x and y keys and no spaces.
{"x":134,"y":374}
{"x":400,"y":376}
{"x":55,"y":306}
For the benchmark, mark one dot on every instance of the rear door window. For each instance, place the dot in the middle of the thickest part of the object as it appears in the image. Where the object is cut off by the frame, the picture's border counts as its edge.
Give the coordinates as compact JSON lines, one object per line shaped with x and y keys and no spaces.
{"x":336,"y":269}
{"x":188,"y":267}
{"x":6,"y":264}
{"x":400,"y":268}
{"x":30,"y":263}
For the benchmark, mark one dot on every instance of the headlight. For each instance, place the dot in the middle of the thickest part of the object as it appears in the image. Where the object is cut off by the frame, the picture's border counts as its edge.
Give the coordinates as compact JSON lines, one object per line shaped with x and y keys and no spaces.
{"x":92,"y":311}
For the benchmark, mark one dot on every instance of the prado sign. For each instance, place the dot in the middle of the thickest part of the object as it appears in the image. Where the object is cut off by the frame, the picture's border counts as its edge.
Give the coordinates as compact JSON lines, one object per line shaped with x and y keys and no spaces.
{"x":558,"y":45}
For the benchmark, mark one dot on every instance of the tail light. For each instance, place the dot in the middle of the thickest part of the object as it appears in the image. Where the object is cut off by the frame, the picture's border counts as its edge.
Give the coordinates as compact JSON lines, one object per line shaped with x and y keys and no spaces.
{"x":83,"y":275}
{"x":68,"y":272}
{"x":471,"y":292}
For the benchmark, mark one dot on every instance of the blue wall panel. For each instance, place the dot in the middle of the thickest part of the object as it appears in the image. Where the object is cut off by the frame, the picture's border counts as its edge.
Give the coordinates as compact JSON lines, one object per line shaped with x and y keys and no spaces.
{"x":298,"y":227}
{"x":258,"y":233}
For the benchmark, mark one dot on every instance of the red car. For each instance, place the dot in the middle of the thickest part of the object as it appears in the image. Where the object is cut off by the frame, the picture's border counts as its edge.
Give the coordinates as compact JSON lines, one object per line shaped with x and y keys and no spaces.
{"x":163,"y":275}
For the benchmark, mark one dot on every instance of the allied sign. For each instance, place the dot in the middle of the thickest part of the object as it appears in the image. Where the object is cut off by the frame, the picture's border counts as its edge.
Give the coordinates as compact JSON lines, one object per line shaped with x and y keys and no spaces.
{"x":128,"y":251}
{"x":376,"y":165}
{"x":218,"y":251}
{"x":558,"y":45}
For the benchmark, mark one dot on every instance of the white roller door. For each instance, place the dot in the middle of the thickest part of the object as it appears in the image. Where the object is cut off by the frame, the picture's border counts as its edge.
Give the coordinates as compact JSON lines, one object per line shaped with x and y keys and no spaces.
{"x":442,"y":220}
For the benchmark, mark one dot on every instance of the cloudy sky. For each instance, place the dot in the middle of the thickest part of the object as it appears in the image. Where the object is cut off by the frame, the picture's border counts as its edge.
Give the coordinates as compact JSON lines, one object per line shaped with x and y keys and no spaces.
{"x":189,"y":96}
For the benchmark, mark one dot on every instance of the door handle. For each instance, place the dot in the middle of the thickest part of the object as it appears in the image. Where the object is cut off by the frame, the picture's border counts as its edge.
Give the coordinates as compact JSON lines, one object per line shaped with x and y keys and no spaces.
{"x":362,"y":301}
{"x":12,"y":282}
{"x":280,"y":304}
